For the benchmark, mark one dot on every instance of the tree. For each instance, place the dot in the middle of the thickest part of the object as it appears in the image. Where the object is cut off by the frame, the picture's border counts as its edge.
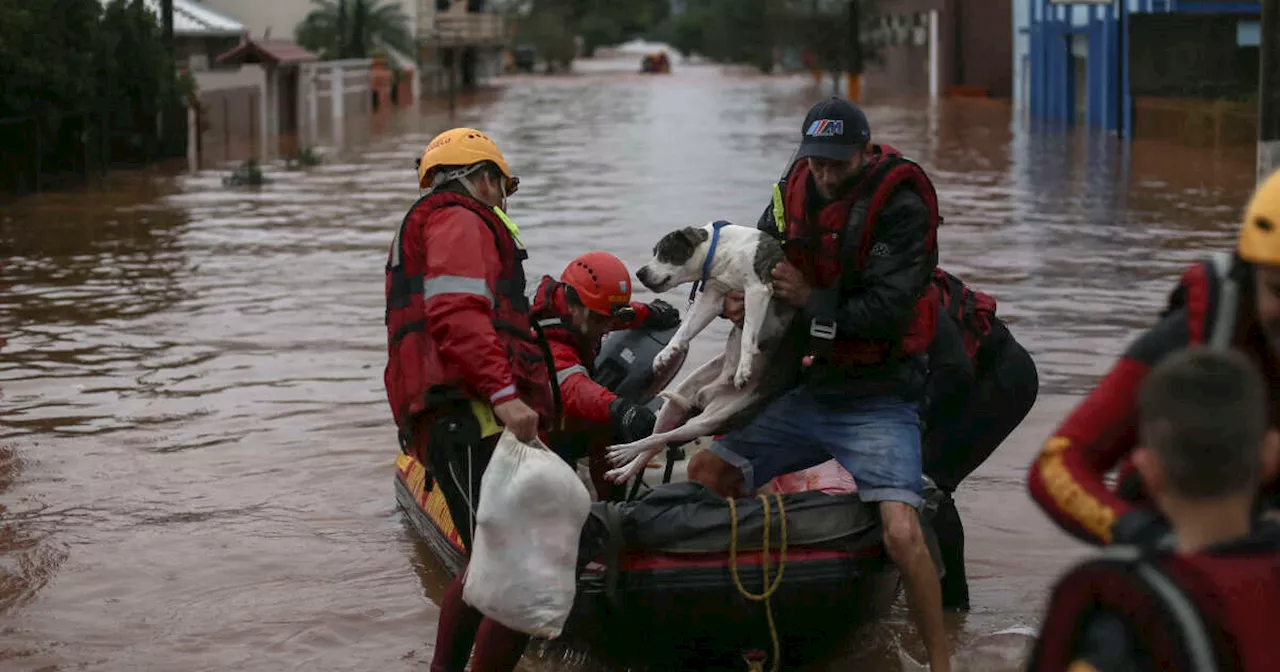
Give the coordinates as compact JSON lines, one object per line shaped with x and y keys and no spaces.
{"x":823,"y":29}
{"x":354,"y":28}
{"x":597,"y":22}
{"x":74,"y":70}
{"x":742,"y":31}
{"x":749,"y":31}
{"x":550,"y":32}
{"x":607,"y":22}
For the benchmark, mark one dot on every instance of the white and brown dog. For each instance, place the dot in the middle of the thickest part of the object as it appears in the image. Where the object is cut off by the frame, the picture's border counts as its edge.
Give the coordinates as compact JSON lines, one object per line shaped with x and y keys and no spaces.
{"x":760,"y":360}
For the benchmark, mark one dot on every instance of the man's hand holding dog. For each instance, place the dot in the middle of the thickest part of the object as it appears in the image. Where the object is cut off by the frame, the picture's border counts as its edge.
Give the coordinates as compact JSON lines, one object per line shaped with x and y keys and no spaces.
{"x":735,"y":308}
{"x":790,"y":286}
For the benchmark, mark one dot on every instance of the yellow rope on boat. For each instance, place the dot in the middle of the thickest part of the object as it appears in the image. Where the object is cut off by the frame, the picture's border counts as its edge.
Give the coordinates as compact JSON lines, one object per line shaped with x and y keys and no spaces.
{"x":769,"y":589}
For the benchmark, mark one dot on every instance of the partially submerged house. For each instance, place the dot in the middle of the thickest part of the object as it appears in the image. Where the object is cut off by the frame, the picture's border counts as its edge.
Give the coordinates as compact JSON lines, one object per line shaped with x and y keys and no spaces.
{"x":281,"y":62}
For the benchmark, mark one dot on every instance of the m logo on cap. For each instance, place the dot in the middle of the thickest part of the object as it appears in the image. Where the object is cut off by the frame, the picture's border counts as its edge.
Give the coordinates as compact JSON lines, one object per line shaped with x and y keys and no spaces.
{"x":826,"y":127}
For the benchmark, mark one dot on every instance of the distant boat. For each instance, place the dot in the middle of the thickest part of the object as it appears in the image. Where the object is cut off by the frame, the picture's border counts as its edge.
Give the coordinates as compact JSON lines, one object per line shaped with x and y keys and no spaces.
{"x":656,"y":63}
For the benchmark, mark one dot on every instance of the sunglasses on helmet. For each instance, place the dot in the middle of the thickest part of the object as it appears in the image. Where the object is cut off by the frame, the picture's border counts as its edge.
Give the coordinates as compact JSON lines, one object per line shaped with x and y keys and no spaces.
{"x":513,"y":183}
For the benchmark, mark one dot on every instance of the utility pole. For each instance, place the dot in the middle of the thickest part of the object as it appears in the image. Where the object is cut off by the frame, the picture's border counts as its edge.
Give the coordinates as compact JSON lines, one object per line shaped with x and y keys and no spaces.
{"x":342,"y":28}
{"x":167,"y":115}
{"x":854,"y":74}
{"x":1269,"y":91}
{"x":166,"y":22}
{"x":813,"y":52}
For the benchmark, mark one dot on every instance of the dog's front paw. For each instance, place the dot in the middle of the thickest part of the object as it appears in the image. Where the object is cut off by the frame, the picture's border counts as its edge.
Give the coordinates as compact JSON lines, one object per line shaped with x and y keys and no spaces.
{"x":666,"y":357}
{"x":743,"y":375}
{"x":620,"y":475}
{"x":629,"y":470}
{"x":621,"y":454}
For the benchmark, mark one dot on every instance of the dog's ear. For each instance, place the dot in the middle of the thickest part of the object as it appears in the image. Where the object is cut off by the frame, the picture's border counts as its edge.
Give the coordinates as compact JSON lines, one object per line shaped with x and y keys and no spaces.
{"x":676,"y":248}
{"x":695,"y":235}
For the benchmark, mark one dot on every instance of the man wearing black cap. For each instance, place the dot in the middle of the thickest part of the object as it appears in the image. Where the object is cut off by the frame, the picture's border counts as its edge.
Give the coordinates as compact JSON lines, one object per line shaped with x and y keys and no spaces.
{"x":859,"y":226}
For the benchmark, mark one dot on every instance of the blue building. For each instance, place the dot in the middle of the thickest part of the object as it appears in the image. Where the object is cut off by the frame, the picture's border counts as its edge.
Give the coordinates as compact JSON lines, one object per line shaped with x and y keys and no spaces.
{"x":1083,"y":61}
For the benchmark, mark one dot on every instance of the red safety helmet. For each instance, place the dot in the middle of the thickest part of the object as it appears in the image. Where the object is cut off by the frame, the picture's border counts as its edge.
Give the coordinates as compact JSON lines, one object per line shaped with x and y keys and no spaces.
{"x":601,"y":282}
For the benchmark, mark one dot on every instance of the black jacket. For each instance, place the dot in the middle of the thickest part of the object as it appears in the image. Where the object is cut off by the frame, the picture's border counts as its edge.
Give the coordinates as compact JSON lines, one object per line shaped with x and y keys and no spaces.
{"x":878,"y":300}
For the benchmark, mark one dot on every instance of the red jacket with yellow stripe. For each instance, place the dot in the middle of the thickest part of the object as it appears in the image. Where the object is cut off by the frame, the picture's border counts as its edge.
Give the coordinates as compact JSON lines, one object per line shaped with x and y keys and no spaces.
{"x":1212,"y":305}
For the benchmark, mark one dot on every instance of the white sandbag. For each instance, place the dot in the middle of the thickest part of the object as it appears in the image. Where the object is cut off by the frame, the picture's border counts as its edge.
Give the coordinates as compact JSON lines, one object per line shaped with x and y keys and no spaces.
{"x":532,"y":509}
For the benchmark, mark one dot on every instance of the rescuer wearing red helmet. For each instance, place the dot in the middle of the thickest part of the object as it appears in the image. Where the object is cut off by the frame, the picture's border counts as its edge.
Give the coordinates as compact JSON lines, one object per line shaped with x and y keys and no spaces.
{"x":592,"y":298}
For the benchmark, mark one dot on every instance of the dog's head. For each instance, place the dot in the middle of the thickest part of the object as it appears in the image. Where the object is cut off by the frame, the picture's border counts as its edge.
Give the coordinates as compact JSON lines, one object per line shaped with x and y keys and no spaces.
{"x":677,"y":259}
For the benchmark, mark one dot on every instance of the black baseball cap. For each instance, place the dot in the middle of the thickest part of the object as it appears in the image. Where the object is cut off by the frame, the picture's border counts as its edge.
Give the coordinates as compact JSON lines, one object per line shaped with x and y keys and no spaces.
{"x":834,"y":129}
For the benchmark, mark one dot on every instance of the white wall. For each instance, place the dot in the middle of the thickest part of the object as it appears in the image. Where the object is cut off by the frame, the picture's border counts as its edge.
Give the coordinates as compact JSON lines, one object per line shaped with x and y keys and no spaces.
{"x":247,"y":75}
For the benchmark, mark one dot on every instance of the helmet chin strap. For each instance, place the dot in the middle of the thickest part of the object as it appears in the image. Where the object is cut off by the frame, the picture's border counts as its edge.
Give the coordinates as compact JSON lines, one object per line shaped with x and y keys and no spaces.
{"x":470,"y":187}
{"x":462,"y":175}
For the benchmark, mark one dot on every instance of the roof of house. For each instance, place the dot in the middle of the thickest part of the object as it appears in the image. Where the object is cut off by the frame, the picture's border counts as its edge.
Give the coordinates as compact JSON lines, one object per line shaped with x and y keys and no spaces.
{"x":273,"y":52}
{"x":192,"y":19}
{"x":198,"y":18}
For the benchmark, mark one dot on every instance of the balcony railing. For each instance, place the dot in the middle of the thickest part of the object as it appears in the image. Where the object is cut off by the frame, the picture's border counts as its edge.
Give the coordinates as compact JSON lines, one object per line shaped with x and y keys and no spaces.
{"x":464,"y":29}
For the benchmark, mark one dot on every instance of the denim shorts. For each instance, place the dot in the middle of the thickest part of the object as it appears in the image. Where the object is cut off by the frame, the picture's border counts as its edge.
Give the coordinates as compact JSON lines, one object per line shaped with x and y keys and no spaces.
{"x":876,"y":439}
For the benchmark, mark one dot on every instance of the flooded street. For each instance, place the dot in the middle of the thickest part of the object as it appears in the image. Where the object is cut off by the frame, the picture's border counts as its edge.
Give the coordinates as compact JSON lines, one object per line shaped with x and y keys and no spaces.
{"x":196,"y":453}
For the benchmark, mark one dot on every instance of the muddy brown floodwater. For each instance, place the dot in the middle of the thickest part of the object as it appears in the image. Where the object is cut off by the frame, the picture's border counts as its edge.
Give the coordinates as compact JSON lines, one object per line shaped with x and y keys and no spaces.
{"x":196,"y":455}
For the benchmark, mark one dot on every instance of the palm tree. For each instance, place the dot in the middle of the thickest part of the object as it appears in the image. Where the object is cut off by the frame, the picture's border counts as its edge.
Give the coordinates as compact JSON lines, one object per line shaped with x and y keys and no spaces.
{"x":354,"y":28}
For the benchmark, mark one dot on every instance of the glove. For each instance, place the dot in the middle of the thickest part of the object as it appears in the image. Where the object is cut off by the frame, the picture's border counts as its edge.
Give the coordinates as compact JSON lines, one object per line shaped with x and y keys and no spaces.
{"x":1140,"y":527}
{"x":631,"y":421}
{"x":662,"y":315}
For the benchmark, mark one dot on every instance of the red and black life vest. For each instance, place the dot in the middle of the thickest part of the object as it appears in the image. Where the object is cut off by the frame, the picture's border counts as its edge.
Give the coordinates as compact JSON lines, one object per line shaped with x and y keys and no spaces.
{"x":1200,"y":613}
{"x":972,"y":310}
{"x":556,"y":325}
{"x":1215,"y":294}
{"x":1210,"y":291}
{"x":845,"y":229}
{"x":416,"y":379}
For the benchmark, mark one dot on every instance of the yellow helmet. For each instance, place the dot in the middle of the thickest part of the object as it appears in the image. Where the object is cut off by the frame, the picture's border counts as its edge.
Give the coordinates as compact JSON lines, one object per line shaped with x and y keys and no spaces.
{"x":462,"y":147}
{"x":1260,"y":232}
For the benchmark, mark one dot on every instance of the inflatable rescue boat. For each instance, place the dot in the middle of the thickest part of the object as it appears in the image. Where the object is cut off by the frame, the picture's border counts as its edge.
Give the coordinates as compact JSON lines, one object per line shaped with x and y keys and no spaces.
{"x":656,"y":64}
{"x":665,"y":575}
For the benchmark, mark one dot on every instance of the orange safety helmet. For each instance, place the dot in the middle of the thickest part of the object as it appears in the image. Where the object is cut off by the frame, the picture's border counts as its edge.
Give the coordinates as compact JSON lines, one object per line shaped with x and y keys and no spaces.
{"x":601,"y":282}
{"x":462,"y":147}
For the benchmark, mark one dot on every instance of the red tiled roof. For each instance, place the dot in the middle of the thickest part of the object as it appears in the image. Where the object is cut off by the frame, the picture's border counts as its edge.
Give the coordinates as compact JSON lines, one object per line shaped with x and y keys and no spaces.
{"x":274,"y":52}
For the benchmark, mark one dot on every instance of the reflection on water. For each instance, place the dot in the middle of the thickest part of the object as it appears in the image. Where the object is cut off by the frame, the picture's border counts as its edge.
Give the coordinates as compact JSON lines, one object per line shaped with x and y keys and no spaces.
{"x":195,"y":450}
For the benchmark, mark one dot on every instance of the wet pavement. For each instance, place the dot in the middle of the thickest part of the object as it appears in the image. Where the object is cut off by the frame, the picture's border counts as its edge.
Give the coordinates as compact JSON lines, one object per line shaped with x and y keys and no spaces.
{"x":196,"y":455}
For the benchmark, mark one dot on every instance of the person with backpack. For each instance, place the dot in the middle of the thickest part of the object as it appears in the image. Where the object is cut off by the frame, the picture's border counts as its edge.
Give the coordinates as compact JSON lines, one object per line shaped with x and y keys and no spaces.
{"x":1208,"y":596}
{"x":858,"y":225}
{"x":982,"y":384}
{"x":1231,"y":301}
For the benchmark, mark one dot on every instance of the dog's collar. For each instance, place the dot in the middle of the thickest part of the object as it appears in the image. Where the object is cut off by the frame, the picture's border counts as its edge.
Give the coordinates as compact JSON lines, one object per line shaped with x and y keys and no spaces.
{"x":711,"y":255}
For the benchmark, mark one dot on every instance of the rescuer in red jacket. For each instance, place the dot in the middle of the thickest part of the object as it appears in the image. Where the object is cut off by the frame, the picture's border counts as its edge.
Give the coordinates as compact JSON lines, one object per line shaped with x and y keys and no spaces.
{"x":592,"y":298}
{"x":463,"y":357}
{"x":1209,"y":597}
{"x":1227,"y":302}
